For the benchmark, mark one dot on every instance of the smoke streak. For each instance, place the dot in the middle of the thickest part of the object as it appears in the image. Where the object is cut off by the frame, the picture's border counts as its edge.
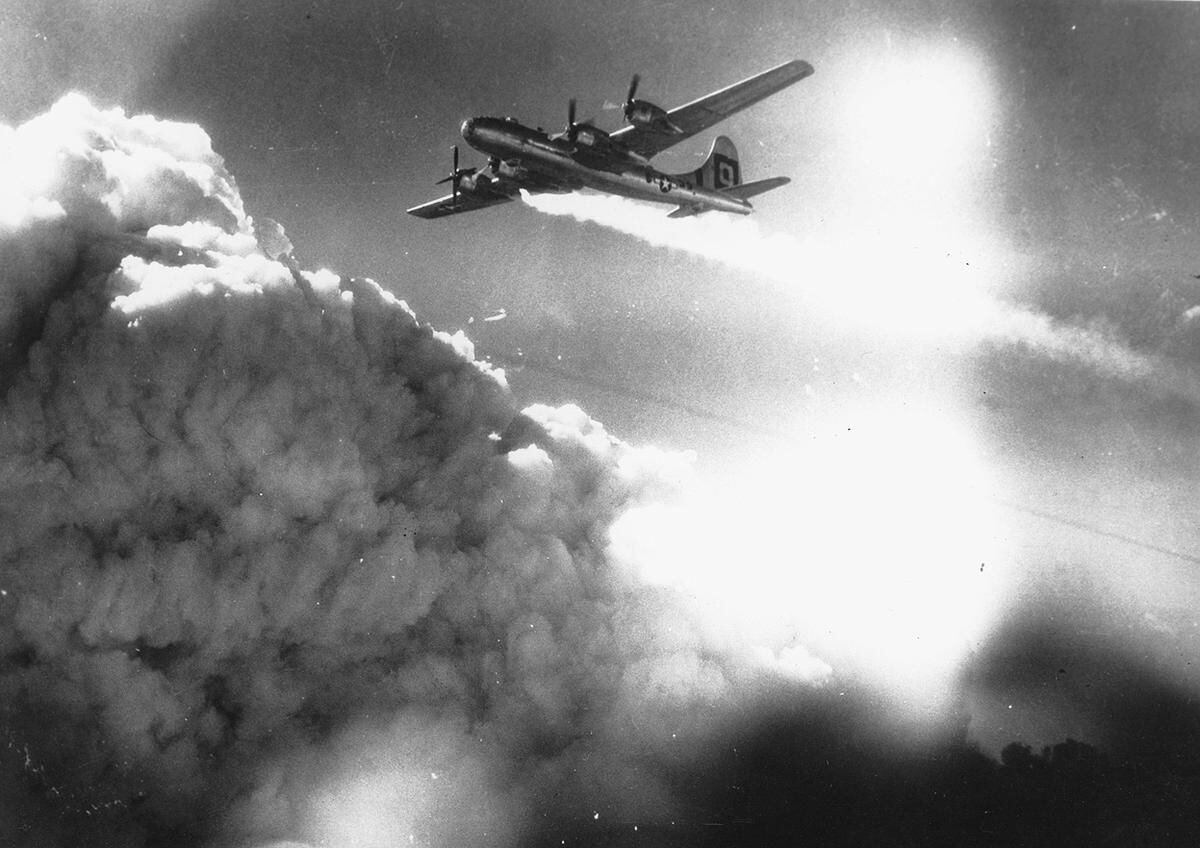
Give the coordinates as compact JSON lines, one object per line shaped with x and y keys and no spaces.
{"x":283,"y":563}
{"x":905,"y":287}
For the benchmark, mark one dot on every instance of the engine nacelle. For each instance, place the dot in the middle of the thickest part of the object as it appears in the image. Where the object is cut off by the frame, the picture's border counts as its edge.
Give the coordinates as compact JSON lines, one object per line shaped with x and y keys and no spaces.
{"x":642,"y":113}
{"x":591,"y":138}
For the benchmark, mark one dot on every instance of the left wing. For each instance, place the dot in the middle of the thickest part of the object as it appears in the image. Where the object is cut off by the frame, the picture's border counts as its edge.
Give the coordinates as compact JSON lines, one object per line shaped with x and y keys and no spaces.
{"x":701,"y":114}
{"x":468,"y":200}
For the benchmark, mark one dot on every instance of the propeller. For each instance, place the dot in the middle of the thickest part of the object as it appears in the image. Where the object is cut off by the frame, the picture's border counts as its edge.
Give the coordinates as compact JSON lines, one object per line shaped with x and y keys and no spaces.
{"x":640,"y":113}
{"x":572,"y":129}
{"x":633,"y":85}
{"x":571,"y":133}
{"x":456,"y":175}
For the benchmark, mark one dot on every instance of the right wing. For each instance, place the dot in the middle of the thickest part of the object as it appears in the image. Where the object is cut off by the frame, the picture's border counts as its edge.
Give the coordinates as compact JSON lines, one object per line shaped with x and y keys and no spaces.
{"x":468,"y":200}
{"x":701,"y":114}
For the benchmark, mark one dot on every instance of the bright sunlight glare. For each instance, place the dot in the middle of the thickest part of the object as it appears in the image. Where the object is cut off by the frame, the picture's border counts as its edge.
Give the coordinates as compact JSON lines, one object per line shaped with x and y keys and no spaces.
{"x":915,"y":129}
{"x":875,"y":545}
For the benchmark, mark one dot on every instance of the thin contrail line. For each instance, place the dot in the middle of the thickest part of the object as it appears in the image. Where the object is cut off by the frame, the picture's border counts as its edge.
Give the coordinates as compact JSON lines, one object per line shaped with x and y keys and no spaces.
{"x":1099,"y":531}
{"x":637,"y":394}
{"x":747,"y":426}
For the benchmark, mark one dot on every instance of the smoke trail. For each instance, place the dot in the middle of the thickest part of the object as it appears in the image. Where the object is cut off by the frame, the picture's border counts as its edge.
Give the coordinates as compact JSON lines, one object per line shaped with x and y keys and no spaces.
{"x":904,"y":554}
{"x":906,"y":286}
{"x":282,"y":563}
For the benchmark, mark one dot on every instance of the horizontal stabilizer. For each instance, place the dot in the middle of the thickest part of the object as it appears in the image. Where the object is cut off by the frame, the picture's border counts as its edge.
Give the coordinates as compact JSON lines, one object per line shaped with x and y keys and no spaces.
{"x":685,"y":211}
{"x":745,"y":191}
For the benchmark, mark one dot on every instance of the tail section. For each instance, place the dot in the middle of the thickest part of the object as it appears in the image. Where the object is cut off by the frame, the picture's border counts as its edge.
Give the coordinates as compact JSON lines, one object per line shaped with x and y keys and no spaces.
{"x":720,"y":170}
{"x":744,"y":191}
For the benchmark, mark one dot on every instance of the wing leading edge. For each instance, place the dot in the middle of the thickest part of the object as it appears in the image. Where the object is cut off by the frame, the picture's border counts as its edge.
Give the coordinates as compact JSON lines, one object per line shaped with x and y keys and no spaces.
{"x":701,"y":114}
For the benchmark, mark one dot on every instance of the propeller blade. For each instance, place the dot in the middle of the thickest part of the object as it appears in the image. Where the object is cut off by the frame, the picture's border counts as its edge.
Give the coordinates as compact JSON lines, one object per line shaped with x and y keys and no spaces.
{"x":455,"y":175}
{"x":571,"y":114}
{"x":458,"y":174}
{"x":633,"y":84}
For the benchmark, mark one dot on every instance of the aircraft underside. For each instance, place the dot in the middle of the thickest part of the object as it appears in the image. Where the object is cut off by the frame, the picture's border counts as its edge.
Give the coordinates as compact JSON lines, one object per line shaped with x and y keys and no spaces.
{"x":584,"y":156}
{"x":639,"y":183}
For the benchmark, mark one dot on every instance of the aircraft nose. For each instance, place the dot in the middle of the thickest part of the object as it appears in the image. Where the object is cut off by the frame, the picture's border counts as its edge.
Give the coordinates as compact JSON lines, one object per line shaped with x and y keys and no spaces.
{"x":468,"y":128}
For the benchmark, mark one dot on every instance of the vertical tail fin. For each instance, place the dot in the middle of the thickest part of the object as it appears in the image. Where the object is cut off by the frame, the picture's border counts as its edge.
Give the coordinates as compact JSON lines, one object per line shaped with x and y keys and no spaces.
{"x":720,"y":170}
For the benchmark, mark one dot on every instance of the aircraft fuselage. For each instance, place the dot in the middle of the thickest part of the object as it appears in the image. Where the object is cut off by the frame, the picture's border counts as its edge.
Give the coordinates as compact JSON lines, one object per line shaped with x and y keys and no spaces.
{"x":593,"y":160}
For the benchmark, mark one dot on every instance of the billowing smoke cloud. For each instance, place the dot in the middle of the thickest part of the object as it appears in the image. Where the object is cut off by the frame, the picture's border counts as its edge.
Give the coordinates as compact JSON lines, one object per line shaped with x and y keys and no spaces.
{"x":282,"y":563}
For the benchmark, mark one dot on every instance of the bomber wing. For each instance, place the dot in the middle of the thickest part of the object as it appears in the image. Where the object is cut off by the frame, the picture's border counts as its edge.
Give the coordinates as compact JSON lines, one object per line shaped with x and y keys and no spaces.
{"x":701,"y":114}
{"x":467,"y":200}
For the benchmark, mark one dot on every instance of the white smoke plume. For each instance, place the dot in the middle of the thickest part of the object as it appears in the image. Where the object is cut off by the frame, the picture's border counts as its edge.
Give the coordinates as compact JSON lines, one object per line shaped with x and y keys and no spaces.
{"x":283,"y":565}
{"x":905,"y":287}
{"x":913,"y":598}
